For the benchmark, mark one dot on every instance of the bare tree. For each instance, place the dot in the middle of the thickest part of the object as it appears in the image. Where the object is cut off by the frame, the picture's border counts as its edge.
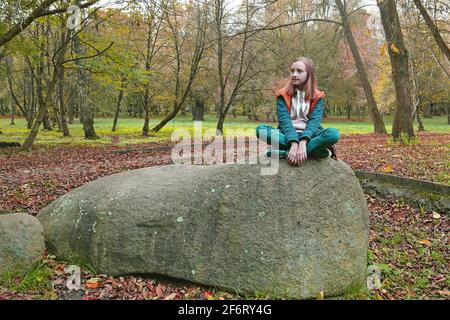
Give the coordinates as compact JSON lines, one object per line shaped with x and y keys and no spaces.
{"x":198,"y":26}
{"x":154,"y":44}
{"x":40,"y":11}
{"x":60,"y":96}
{"x":234,"y":66}
{"x":85,"y":102}
{"x":434,"y":30}
{"x":43,"y":104}
{"x":119,"y":101}
{"x":377,"y":121}
{"x":403,"y":118}
{"x":14,"y":101}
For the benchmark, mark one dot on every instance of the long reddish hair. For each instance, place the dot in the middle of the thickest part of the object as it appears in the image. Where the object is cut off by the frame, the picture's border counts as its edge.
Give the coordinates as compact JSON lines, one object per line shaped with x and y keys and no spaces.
{"x":311,"y":82}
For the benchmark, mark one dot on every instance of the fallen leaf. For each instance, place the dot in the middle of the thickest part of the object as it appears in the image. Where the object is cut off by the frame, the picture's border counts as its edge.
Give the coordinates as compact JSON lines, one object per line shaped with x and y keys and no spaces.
{"x":58,"y":282}
{"x":159,"y":291}
{"x":208,"y":296}
{"x":320,"y":296}
{"x":388,"y":169}
{"x":436,"y":215}
{"x":108,"y":287}
{"x":444,"y":292}
{"x":93,"y":283}
{"x":171,"y":296}
{"x":378,"y":296}
{"x":424,"y":241}
{"x":59,"y":272}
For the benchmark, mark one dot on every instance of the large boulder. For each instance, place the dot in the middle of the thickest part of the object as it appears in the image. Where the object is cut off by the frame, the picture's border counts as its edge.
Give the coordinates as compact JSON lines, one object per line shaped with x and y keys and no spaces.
{"x":21,"y":242}
{"x":292,"y":234}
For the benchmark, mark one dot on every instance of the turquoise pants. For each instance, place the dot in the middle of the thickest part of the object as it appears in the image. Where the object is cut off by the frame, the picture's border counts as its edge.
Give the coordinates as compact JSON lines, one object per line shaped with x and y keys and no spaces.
{"x":315,"y":148}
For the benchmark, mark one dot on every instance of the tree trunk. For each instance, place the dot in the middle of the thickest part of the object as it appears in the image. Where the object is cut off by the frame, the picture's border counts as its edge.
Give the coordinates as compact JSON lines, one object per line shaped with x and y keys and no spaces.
{"x":62,"y":111}
{"x":13,"y":112}
{"x":55,"y":118}
{"x":14,"y":100}
{"x":150,"y":54}
{"x":46,"y":122}
{"x":416,"y":93}
{"x":403,"y":117}
{"x":39,"y":88}
{"x":434,"y":30}
{"x":33,"y":101}
{"x":86,"y":109}
{"x":243,"y":64}
{"x":378,"y":124}
{"x":148,"y":61}
{"x":448,"y":113}
{"x":181,"y":93}
{"x":29,"y":88}
{"x":40,"y":116}
{"x":119,"y":100}
{"x":86,"y":112}
{"x":221,"y":103}
{"x":71,"y":107}
{"x":198,"y":109}
{"x":178,"y":105}
{"x":427,"y":112}
{"x":419,"y":120}
{"x":147,"y":111}
{"x":25,"y":91}
{"x":220,"y":122}
{"x":44,"y":103}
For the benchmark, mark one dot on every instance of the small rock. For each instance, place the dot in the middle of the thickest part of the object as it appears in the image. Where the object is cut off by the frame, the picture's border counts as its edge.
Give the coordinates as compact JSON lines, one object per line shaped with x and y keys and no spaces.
{"x":21,"y":242}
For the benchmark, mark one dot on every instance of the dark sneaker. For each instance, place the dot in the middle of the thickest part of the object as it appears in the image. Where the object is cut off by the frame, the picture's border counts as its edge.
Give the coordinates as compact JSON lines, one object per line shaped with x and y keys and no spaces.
{"x":268,"y":152}
{"x":332,"y":149}
{"x":322,"y":156}
{"x":282,"y":154}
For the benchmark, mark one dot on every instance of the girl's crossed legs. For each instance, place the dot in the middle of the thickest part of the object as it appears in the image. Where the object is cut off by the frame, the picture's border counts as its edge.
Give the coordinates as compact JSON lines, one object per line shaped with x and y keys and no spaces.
{"x":316,"y":147}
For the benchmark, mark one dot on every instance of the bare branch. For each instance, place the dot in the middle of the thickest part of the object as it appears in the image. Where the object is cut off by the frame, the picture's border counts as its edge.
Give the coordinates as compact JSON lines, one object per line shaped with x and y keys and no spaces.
{"x":91,"y":56}
{"x":285,"y":25}
{"x":40,"y":11}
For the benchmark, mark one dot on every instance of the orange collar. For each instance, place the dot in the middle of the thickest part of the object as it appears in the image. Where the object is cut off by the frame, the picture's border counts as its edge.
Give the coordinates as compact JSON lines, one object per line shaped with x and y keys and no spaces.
{"x":287,"y":98}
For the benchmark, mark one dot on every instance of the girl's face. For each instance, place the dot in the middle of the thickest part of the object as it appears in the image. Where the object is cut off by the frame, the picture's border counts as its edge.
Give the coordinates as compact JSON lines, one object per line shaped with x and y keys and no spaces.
{"x":299,"y":75}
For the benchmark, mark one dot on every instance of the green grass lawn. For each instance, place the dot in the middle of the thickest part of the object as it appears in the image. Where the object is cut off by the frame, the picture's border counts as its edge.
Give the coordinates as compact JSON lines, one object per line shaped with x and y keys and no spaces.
{"x":130,"y":129}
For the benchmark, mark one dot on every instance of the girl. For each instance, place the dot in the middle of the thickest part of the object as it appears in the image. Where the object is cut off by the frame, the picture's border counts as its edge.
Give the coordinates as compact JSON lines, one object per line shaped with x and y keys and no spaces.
{"x":300,"y":108}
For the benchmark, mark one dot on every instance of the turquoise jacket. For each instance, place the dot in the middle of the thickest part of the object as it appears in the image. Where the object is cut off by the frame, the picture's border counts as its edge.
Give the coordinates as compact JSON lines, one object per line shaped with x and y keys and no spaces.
{"x":313,"y":126}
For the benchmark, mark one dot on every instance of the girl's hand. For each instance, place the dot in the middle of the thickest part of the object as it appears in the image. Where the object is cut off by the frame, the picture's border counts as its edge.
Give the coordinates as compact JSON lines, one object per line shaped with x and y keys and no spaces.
{"x":293,"y":154}
{"x":301,"y":152}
